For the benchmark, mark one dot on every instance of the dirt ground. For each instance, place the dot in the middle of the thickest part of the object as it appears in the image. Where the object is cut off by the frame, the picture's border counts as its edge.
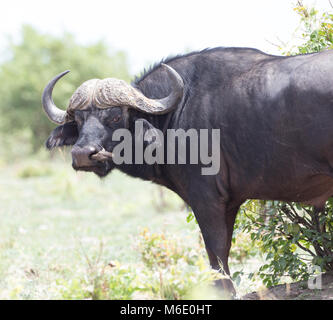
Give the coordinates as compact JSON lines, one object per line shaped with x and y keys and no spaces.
{"x":295,"y":291}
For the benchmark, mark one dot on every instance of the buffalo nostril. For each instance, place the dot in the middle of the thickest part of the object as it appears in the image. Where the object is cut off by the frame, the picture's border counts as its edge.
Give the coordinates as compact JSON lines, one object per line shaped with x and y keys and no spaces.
{"x":82,"y":156}
{"x":91,"y":151}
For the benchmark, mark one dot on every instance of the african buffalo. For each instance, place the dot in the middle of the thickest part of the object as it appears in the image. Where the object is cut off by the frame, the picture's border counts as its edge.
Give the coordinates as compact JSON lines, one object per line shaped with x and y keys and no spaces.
{"x":274,"y":115}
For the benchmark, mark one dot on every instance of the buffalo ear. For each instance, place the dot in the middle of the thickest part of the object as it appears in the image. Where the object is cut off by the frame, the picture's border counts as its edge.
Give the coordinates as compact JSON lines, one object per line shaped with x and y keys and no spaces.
{"x":64,"y":135}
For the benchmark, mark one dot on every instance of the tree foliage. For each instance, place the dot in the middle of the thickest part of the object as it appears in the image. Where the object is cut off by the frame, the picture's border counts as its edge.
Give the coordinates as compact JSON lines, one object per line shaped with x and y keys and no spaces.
{"x":316,"y":30}
{"x":291,"y":236}
{"x":35,"y":59}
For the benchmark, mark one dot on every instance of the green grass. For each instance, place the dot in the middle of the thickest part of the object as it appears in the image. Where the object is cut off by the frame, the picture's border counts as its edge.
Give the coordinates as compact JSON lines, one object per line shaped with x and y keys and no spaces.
{"x":61,"y":229}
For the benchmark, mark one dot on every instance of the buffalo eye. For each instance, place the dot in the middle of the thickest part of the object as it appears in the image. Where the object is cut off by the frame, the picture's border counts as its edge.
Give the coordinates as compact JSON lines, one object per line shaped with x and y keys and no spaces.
{"x":111,"y":115}
{"x":116,"y":118}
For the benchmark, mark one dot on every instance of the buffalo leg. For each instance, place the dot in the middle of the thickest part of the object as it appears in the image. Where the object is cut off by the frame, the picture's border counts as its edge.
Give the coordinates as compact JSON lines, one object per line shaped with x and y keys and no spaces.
{"x":217,"y":228}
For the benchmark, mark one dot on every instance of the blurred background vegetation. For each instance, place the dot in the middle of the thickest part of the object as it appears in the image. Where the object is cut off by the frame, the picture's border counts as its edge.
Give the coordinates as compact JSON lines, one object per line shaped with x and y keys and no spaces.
{"x":30,"y":63}
{"x":73,"y":236}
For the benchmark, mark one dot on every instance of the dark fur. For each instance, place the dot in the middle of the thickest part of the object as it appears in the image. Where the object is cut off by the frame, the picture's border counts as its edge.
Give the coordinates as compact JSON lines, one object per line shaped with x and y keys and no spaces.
{"x":275,"y":115}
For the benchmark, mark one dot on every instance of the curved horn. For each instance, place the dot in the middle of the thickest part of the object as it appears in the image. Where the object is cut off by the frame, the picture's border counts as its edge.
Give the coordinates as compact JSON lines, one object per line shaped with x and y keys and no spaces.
{"x":55,"y":114}
{"x":167,"y":104}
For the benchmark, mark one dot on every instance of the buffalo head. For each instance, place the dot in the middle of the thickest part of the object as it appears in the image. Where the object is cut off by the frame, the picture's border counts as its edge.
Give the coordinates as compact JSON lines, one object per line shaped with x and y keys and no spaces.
{"x":96,"y":110}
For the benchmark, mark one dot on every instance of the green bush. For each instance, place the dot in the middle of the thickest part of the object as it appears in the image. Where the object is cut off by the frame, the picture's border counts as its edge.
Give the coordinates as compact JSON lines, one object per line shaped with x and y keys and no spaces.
{"x":168,"y":269}
{"x":176,"y":269}
{"x":316,"y":30}
{"x":102,"y":283}
{"x":292,"y":237}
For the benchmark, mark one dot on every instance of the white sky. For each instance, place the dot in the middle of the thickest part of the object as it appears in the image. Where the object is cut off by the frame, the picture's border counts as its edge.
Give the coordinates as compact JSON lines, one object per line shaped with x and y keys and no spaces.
{"x":149,"y":30}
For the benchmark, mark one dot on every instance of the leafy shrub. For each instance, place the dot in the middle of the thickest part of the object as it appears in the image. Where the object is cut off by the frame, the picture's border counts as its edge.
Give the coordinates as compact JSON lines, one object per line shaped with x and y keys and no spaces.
{"x":169,"y":269}
{"x":160,"y":251}
{"x":100,"y":280}
{"x":316,"y":30}
{"x":292,"y":237}
{"x":104,"y":283}
{"x":175,"y":268}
